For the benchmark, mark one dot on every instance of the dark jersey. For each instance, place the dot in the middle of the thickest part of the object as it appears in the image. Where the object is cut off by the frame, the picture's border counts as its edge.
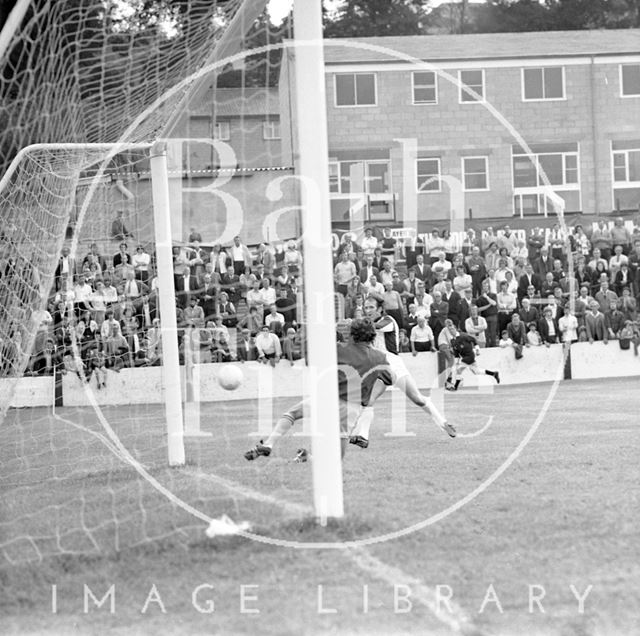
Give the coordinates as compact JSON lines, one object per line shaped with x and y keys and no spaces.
{"x":463,"y":346}
{"x":359,"y":366}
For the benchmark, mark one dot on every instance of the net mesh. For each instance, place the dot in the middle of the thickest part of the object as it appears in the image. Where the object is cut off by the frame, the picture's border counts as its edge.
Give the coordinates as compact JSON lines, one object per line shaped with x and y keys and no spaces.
{"x":87,"y":86}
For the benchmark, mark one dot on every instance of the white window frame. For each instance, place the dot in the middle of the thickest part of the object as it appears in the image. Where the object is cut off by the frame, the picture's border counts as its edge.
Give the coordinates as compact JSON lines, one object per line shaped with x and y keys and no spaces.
{"x":413,"y":89}
{"x":221,"y":131}
{"x":543,"y":98}
{"x":419,"y":190}
{"x":461,"y":86}
{"x":622,"y":93}
{"x":366,"y":178}
{"x":519,"y":191}
{"x":271,"y":130}
{"x":375,"y":91}
{"x":627,"y":183}
{"x":464,"y":173}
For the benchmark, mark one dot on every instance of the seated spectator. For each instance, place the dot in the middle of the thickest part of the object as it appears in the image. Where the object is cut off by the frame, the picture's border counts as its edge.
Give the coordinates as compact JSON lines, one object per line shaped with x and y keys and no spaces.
{"x":528,"y":313}
{"x":255,"y":299}
{"x":595,"y":324}
{"x":245,"y":348}
{"x":421,"y":337}
{"x":230,"y":282}
{"x":292,"y":346}
{"x":411,"y":319}
{"x":423,"y":301}
{"x":220,"y":351}
{"x":476,"y":326}
{"x":533,"y":337}
{"x":267,"y":292}
{"x":548,"y":327}
{"x":274,"y":321}
{"x":622,"y":278}
{"x":252,"y":321}
{"x":193,"y":314}
{"x":548,"y":285}
{"x":226,"y":310}
{"x":505,"y":341}
{"x":558,"y":271}
{"x":268,"y":346}
{"x":605,"y":296}
{"x":552,"y":304}
{"x":568,"y":326}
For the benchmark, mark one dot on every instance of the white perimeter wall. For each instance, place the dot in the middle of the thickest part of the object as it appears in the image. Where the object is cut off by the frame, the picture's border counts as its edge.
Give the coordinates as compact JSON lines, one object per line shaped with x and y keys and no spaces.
{"x":144,"y":385}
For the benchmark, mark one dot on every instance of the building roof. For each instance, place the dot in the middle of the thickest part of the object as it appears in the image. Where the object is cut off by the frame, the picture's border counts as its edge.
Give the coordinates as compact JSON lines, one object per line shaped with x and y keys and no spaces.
{"x":478,"y":46}
{"x":239,"y":102}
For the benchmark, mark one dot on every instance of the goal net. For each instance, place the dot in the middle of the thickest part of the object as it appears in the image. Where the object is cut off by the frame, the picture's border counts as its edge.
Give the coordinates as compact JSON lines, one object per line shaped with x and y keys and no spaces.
{"x":87,"y":88}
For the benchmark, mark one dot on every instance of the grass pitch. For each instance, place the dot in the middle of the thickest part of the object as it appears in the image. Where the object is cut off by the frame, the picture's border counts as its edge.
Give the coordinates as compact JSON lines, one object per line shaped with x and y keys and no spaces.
{"x":532,"y":528}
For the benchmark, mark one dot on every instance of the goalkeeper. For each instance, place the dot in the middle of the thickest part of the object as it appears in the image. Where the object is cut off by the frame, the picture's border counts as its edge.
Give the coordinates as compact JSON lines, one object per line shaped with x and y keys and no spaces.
{"x":465,"y":349}
{"x":363,"y":374}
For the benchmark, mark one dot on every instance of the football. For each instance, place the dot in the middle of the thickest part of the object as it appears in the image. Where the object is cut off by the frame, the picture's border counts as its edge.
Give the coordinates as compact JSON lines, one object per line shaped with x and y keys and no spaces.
{"x":230,"y":377}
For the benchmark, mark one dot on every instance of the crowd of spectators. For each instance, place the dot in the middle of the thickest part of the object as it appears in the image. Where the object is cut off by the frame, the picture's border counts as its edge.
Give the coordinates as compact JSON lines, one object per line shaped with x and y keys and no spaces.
{"x":509,"y":289}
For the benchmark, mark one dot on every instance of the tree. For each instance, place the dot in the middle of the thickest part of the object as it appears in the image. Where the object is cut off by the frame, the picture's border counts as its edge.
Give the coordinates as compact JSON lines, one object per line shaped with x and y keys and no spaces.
{"x":365,"y":18}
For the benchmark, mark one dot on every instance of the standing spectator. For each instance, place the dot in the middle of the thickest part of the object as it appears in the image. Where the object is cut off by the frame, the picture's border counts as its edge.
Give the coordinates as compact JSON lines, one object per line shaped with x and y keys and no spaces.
{"x":219,"y":260}
{"x":469,"y":242}
{"x":507,"y":240}
{"x":369,"y":242}
{"x":275,"y":321}
{"x":605,"y":297}
{"x":533,"y":337}
{"x":240,"y":256}
{"x":66,"y":267}
{"x":620,"y":235}
{"x":476,"y":326}
{"x":245,"y":348}
{"x":186,"y":286}
{"x":614,"y":320}
{"x":527,"y":312}
{"x":230,"y":282}
{"x":534,"y":244}
{"x":266,"y":258}
{"x":581,"y":242}
{"x":421,"y":337}
{"x":373,"y":288}
{"x":466,"y":302}
{"x":378,"y":259}
{"x":517,"y":333}
{"x":628,"y":305}
{"x":226,"y":310}
{"x":434,"y":244}
{"x":141,"y":262}
{"x":445,"y":339}
{"x":487,"y":304}
{"x":594,"y":322}
{"x":388,"y":244}
{"x":392,"y":303}
{"x":601,"y":240}
{"x":344,"y":272}
{"x":462,"y":281}
{"x":194,"y":235}
{"x":193,"y":314}
{"x":119,"y":230}
{"x":439,"y":311}
{"x":492,"y":256}
{"x":507,"y":305}
{"x":367,"y":270}
{"x":293,"y":258}
{"x":386,"y":274}
{"x":556,"y":240}
{"x":529,"y":277}
{"x":568,"y":326}
{"x":489,"y":237}
{"x":477,"y":269}
{"x":543,"y":264}
{"x":422,"y":271}
{"x":448,"y":245}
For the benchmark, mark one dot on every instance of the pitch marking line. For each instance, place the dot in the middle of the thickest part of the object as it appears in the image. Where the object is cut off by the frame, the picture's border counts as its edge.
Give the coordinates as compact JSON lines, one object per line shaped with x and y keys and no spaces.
{"x":456,"y":620}
{"x":477,"y":433}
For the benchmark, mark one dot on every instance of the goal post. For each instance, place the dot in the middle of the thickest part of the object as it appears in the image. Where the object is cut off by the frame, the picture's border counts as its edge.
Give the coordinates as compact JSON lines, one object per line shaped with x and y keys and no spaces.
{"x":318,"y":271}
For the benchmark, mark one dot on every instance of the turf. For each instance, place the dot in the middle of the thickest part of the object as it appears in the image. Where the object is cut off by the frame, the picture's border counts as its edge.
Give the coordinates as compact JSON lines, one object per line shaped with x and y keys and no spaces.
{"x":564,"y":512}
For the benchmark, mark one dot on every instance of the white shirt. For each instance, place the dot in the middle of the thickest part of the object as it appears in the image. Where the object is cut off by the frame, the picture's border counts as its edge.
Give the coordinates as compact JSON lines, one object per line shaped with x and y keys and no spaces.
{"x":267,"y":343}
{"x":369,"y":244}
{"x":568,"y":326}
{"x":268,"y":295}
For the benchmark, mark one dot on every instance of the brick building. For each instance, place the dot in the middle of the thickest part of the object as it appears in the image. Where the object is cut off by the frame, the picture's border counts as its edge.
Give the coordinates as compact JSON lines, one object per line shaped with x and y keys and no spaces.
{"x":426,"y":128}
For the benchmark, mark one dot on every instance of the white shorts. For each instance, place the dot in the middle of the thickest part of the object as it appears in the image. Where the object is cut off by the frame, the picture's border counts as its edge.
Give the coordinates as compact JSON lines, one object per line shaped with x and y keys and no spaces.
{"x":398,"y":367}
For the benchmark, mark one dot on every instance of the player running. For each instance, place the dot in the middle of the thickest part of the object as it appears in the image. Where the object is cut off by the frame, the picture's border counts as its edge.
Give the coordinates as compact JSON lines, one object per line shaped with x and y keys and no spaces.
{"x":387,"y":342}
{"x":464,"y":347}
{"x":360,"y":369}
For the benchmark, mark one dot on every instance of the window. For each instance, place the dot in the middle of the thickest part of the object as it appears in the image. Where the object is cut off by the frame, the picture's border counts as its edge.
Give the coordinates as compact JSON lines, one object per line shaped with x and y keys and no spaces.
{"x":222,"y":131}
{"x":626,"y":166}
{"x":630,"y":80}
{"x":543,"y":83}
{"x":559,"y":163}
{"x":625,"y":160}
{"x":428,"y":171}
{"x":473,"y":80}
{"x":425,"y":87}
{"x":359,"y":177}
{"x":355,"y":89}
{"x":271,"y":129}
{"x":475,"y":173}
